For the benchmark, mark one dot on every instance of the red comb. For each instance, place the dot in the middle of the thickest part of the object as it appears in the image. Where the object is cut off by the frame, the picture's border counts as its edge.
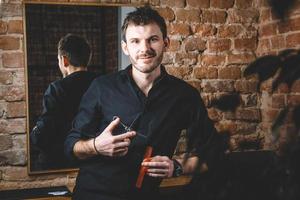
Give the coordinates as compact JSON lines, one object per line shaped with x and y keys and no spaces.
{"x":143,"y":169}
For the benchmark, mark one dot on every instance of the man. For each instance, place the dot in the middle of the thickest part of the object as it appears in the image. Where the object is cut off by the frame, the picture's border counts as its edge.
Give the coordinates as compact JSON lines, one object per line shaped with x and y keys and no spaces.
{"x":148,"y":107}
{"x":61,"y":101}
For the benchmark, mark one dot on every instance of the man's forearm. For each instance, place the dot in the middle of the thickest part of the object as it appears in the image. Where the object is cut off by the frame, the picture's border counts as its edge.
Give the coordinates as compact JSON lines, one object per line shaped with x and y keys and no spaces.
{"x":84,"y":149}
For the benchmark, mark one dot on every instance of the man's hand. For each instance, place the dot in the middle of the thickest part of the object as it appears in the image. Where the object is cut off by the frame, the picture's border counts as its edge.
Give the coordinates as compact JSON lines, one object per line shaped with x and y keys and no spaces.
{"x":111,"y":145}
{"x":106,"y":143}
{"x":159,"y":166}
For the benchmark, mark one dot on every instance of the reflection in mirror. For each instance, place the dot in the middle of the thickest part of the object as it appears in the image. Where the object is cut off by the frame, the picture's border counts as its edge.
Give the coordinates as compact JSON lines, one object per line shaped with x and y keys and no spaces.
{"x":45,"y":25}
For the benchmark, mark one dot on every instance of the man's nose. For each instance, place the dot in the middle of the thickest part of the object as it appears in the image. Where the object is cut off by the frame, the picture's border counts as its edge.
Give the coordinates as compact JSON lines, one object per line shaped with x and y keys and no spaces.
{"x":144,"y":46}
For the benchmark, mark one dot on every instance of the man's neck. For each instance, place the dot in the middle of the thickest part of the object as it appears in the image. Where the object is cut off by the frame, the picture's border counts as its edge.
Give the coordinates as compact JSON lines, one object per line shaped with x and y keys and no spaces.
{"x":72,"y":69}
{"x":145,"y":80}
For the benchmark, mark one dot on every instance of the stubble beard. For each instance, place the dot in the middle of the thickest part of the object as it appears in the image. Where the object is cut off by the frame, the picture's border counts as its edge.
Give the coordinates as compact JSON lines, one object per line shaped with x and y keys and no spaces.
{"x":148,"y":69}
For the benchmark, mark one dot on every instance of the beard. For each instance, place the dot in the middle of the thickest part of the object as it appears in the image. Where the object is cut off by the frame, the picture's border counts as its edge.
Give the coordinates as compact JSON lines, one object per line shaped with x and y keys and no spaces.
{"x":145,"y":66}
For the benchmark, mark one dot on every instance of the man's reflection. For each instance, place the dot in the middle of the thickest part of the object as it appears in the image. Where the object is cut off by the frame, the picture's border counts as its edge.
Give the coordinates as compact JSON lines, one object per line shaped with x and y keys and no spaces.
{"x":60,"y":103}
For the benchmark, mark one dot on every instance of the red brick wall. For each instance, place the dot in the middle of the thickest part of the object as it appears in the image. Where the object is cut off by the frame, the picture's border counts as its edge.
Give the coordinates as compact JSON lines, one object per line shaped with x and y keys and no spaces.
{"x":276,"y":35}
{"x":212,"y":41}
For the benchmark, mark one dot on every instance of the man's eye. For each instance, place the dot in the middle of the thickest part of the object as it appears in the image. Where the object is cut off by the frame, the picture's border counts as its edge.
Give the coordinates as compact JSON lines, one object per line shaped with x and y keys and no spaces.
{"x":134,"y":41}
{"x":153,"y":39}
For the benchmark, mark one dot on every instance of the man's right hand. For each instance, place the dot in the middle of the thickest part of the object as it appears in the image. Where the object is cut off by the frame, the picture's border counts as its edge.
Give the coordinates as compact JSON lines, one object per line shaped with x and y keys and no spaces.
{"x":111,"y":145}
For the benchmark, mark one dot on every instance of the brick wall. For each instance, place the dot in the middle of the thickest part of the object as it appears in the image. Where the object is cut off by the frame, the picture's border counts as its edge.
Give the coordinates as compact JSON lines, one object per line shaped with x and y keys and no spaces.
{"x":212,"y":41}
{"x":276,"y":35}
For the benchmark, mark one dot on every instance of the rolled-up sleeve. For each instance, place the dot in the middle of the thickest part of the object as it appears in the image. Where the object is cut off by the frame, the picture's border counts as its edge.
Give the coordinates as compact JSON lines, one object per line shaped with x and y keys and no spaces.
{"x":86,"y":122}
{"x":203,"y":138}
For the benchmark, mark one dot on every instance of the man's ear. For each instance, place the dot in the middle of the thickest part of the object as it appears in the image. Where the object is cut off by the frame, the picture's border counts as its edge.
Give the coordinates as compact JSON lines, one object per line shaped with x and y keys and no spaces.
{"x":66,"y":61}
{"x":166,"y":43}
{"x":124,"y":47}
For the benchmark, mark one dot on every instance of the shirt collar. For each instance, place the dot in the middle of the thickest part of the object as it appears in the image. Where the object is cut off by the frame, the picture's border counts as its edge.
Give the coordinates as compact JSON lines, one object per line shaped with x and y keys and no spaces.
{"x":163,"y":75}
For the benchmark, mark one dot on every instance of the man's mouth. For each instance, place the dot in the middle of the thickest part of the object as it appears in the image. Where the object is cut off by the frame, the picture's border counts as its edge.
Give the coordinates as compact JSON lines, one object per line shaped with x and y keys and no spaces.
{"x":146,"y":57}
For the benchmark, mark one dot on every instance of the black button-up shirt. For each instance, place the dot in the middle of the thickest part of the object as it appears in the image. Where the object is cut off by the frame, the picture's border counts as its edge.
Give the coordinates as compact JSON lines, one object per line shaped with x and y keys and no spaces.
{"x":171,"y":106}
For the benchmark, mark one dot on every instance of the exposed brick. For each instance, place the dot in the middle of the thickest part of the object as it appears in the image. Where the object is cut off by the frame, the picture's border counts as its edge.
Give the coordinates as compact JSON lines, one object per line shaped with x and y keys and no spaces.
{"x":2,"y":109}
{"x":262,"y":3}
{"x":245,"y":128}
{"x":217,"y":86}
{"x":293,"y":40}
{"x":13,"y":157}
{"x":186,"y":58}
{"x":283,"y":88}
{"x":214,"y":114}
{"x":243,"y":16}
{"x":263,"y":45}
{"x":289,"y":25}
{"x":10,"y":10}
{"x":3,"y":27}
{"x":6,"y":77}
{"x":18,"y":77}
{"x":221,"y":4}
{"x":166,"y":13}
{"x":269,"y":115}
{"x":214,"y":16}
{"x":13,"y":125}
{"x":180,"y":29}
{"x":13,"y":60}
{"x":249,"y":100}
{"x":293,"y":100}
{"x":168,"y":58}
{"x":219,"y":45}
{"x":190,"y":16}
{"x":267,"y":30}
{"x":245,"y":43}
{"x":227,"y":31}
{"x":205,"y":72}
{"x":278,"y":101}
{"x":173,"y":3}
{"x":226,"y":126}
{"x":154,"y":2}
{"x":250,"y":32}
{"x":192,"y":44}
{"x":296,"y":86}
{"x":12,"y":93}
{"x":266,"y":86}
{"x":179,"y":72}
{"x":16,"y":109}
{"x":5,"y":142}
{"x":9,"y":43}
{"x":265,"y":15}
{"x":205,"y":30}
{"x":245,"y":115}
{"x":19,"y":141}
{"x":277,"y":42}
{"x":174,"y":45}
{"x":15,"y":173}
{"x":245,"y":86}
{"x":214,"y":60}
{"x":229,"y":73}
{"x":15,"y":26}
{"x":243,"y":4}
{"x":198,"y":3}
{"x":240,"y":58}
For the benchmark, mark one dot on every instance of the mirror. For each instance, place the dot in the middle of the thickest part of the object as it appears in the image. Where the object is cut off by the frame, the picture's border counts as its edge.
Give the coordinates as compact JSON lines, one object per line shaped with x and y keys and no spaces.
{"x":45,"y":24}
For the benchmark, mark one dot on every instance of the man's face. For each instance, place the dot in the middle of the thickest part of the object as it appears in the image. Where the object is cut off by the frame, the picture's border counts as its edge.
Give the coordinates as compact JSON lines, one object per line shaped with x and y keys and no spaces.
{"x":145,"y":46}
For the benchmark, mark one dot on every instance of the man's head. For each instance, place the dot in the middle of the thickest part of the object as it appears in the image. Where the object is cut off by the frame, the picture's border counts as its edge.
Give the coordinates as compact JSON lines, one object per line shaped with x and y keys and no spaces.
{"x":144,"y":39}
{"x":73,"y":50}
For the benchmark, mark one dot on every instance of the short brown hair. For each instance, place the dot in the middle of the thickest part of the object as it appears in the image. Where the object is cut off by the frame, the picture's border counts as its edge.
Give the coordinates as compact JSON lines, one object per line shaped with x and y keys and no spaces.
{"x":143,"y":16}
{"x":76,"y":49}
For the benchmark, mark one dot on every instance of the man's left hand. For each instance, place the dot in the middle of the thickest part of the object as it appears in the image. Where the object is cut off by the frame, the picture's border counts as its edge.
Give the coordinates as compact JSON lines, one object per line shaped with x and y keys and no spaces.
{"x":159,"y":166}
